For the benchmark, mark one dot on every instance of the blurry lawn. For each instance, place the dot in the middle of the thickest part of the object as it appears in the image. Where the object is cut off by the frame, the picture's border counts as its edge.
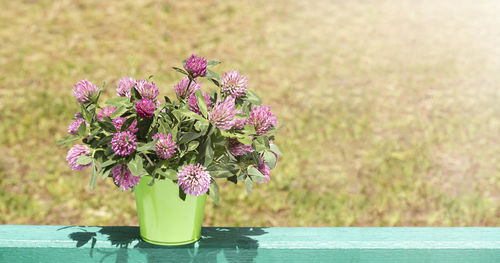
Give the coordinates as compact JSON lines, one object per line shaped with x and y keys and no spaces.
{"x":391,"y":108}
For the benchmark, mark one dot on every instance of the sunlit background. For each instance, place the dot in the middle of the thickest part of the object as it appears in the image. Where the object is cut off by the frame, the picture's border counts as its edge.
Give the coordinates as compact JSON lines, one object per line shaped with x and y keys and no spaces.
{"x":391,"y":109}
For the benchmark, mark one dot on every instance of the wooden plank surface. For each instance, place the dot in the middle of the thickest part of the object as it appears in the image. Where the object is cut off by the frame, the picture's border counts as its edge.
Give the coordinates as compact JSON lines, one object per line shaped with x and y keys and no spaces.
{"x":220,"y":244}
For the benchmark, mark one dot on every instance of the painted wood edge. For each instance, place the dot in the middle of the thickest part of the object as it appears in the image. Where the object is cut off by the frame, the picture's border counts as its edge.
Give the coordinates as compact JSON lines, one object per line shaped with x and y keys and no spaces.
{"x":16,"y":236}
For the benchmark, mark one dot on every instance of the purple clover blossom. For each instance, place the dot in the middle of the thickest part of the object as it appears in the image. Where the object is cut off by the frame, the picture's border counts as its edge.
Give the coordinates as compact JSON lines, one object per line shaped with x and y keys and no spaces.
{"x":223,"y":113}
{"x":183,"y":91}
{"x":124,"y":86}
{"x":193,"y":102}
{"x":264,"y":169}
{"x":239,"y":123}
{"x":75,"y":153}
{"x":262,"y":119}
{"x":194,"y":179}
{"x":146,"y":89}
{"x":165,"y":148}
{"x":123,"y":143}
{"x":84,"y":91}
{"x":234,"y":83}
{"x":145,"y":108}
{"x":237,"y":148}
{"x":118,"y":122}
{"x":196,"y":66}
{"x":74,"y":125}
{"x":105,"y":112}
{"x":123,"y":177}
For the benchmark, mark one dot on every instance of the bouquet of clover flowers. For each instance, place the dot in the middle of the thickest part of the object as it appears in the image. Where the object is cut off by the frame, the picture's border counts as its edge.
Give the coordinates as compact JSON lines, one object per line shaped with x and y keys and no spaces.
{"x":225,"y":133}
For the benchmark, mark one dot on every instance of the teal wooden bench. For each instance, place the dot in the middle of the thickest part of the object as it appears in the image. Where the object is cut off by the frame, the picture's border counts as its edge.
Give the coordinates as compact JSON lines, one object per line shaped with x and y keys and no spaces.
{"x":226,"y":244}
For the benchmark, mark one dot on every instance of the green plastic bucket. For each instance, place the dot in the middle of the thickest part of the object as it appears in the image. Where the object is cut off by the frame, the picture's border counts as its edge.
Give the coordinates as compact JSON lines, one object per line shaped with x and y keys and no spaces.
{"x":164,"y":218}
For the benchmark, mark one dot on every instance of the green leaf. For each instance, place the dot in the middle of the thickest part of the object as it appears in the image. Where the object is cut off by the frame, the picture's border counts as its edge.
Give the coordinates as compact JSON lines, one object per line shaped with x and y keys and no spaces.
{"x":223,"y":170}
{"x":249,"y":129}
{"x":233,"y":179}
{"x":206,"y":152}
{"x":85,"y":113}
{"x":117,"y":102}
{"x":212,"y":75}
{"x":182,"y":195}
{"x":255,"y":174}
{"x":189,"y":136}
{"x":214,"y":191}
{"x":67,"y":140}
{"x":245,"y":140}
{"x":175,"y":132}
{"x":193,"y":145}
{"x":135,"y":166}
{"x":139,"y":164}
{"x":189,"y":158}
{"x":109,"y":151}
{"x":230,"y":156}
{"x":255,"y":157}
{"x":132,"y":167}
{"x":260,"y":143}
{"x":105,"y":173}
{"x":107,"y":126}
{"x":84,"y":159}
{"x":107,"y":163}
{"x":253,"y":98}
{"x":202,"y":104}
{"x":274,"y":148}
{"x":241,"y":177}
{"x":168,"y":173}
{"x":171,"y":174}
{"x":144,"y":147}
{"x":180,"y":70}
{"x":143,"y":125}
{"x":248,"y":184}
{"x":118,"y":112}
{"x":163,"y":128}
{"x":212,"y":63}
{"x":272,"y":132}
{"x":93,"y":179}
{"x":134,"y":94}
{"x":126,"y":124}
{"x":202,"y":126}
{"x":82,"y":129}
{"x":216,"y":83}
{"x":211,"y":129}
{"x":96,"y":132}
{"x":188,"y":114}
{"x":229,"y":134}
{"x":95,"y":98}
{"x":159,"y":108}
{"x":269,"y":159}
{"x":246,"y":107}
{"x":91,"y":108}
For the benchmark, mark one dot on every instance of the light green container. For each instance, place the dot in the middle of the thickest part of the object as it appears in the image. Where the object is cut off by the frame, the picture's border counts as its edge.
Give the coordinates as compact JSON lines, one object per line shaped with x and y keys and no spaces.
{"x":164,"y":218}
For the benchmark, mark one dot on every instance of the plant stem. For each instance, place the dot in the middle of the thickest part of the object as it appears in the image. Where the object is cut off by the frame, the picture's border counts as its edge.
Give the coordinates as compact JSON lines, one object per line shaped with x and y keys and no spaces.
{"x":147,"y":158}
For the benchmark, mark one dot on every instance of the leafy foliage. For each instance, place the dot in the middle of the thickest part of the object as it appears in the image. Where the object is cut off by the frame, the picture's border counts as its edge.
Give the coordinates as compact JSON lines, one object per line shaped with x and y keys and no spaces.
{"x":197,"y":138}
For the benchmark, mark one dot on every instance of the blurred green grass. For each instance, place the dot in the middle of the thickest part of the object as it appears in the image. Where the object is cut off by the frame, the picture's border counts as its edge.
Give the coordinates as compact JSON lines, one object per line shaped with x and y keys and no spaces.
{"x":390,"y":108}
